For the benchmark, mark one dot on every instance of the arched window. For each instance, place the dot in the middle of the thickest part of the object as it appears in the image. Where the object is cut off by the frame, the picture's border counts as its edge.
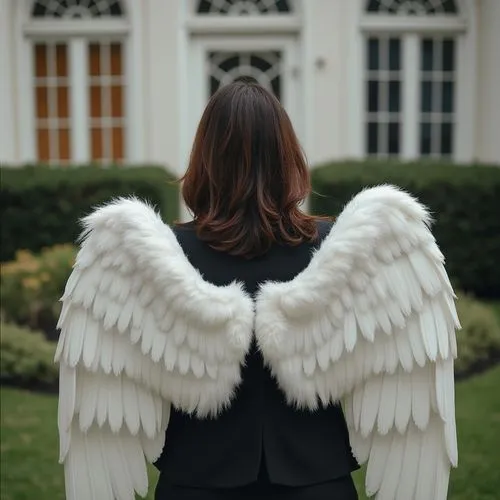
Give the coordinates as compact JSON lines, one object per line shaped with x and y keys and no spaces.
{"x":79,"y":81}
{"x":77,"y":9}
{"x":265,"y":67}
{"x":243,"y":7}
{"x":411,"y":71}
{"x":412,"y":7}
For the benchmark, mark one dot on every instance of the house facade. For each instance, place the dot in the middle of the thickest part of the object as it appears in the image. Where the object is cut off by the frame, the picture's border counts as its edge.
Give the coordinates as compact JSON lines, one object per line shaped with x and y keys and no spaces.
{"x":125,"y":81}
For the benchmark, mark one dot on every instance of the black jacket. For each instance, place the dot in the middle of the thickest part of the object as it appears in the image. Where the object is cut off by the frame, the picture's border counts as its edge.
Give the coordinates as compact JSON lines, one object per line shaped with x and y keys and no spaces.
{"x":259,"y":435}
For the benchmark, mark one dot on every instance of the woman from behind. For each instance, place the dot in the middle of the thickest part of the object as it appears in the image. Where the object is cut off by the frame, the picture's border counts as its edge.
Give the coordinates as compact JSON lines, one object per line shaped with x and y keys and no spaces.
{"x":220,"y":350}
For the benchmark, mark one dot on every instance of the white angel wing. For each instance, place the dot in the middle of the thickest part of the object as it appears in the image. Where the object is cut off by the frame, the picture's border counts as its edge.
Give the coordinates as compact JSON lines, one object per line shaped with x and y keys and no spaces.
{"x":140,"y":330}
{"x":371,"y":321}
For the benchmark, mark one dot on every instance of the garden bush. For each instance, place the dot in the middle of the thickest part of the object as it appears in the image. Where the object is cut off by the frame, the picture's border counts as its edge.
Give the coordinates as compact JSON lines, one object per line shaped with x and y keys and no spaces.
{"x":479,"y":339}
{"x":41,"y":205}
{"x":464,"y":201}
{"x":32,"y":285}
{"x":27,"y":359}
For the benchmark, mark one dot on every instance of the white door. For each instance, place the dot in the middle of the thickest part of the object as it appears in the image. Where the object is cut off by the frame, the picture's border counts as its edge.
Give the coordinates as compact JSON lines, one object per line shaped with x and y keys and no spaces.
{"x":216,"y":61}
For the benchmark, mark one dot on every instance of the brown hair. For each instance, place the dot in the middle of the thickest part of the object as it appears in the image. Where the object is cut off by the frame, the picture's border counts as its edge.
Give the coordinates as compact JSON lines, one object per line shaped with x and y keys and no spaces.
{"x":247,"y":174}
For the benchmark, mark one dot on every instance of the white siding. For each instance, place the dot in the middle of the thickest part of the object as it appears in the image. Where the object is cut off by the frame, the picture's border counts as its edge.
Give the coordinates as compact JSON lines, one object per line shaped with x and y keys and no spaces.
{"x":162,"y":23}
{"x":8,"y":128}
{"x":488,"y":88}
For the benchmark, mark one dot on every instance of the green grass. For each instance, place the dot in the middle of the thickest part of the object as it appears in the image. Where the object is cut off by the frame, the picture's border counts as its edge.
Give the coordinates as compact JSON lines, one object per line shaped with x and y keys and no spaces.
{"x":29,"y":444}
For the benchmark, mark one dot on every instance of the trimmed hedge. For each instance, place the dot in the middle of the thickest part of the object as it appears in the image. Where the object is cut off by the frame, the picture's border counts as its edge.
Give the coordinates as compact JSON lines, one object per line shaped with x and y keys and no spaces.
{"x":464,"y":200}
{"x":41,"y":205}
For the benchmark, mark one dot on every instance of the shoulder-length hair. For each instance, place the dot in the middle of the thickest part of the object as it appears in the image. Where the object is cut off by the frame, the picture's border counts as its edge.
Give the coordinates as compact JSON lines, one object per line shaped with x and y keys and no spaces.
{"x":247,"y":174}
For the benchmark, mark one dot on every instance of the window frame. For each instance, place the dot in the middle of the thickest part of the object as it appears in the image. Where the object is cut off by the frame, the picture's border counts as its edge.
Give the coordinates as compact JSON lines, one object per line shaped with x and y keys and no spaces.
{"x":78,"y":35}
{"x":411,"y":29}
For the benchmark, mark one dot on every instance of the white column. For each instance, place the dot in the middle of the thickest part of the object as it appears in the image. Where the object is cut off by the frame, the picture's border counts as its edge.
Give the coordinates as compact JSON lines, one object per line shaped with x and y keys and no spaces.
{"x":411,"y":97}
{"x":355,"y":84}
{"x":7,"y":70}
{"x":23,"y":91}
{"x":134,"y":74}
{"x":487,"y":83}
{"x":79,"y":101}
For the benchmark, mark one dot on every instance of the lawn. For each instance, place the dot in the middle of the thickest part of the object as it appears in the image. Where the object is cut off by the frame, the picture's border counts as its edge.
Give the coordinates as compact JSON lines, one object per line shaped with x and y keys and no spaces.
{"x":29,"y":444}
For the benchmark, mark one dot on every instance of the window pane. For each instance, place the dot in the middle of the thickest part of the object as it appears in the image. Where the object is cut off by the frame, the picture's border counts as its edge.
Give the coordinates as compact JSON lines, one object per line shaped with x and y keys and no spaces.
{"x":42,"y":102}
{"x":64,"y":145}
{"x":446,"y":138}
{"x":43,"y":145}
{"x":448,"y":55}
{"x":373,"y":95}
{"x":116,"y":101}
{"x":96,"y":143}
{"x":94,"y":59}
{"x":118,"y":144}
{"x":427,"y":54}
{"x":394,"y":54}
{"x":41,"y":60}
{"x":426,"y":97}
{"x":95,"y":101}
{"x":393,"y":146}
{"x":425,"y":139}
{"x":394,"y":96}
{"x":372,"y":138}
{"x":447,"y":92}
{"x":373,"y":54}
{"x":63,"y":102}
{"x":61,"y":60}
{"x":116,"y":59}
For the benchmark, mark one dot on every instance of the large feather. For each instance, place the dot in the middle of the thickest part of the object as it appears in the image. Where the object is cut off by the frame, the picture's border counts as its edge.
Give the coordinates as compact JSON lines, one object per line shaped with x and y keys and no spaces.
{"x":375,"y":309}
{"x":140,"y":331}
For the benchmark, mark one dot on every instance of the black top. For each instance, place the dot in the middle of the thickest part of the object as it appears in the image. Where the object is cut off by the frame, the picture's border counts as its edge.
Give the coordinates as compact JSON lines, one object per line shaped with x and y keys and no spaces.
{"x":259,"y":437}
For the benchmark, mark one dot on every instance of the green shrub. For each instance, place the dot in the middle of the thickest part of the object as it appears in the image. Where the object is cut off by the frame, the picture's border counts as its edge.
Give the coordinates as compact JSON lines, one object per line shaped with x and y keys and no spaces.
{"x":32,"y":285}
{"x":479,"y":339}
{"x":27,"y":359}
{"x":41,"y":206}
{"x":464,"y":202}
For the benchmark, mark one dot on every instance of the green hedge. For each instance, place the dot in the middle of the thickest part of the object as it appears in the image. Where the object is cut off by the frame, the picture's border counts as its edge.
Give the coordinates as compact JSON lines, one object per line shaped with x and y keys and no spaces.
{"x":464,"y":200}
{"x":41,"y":205}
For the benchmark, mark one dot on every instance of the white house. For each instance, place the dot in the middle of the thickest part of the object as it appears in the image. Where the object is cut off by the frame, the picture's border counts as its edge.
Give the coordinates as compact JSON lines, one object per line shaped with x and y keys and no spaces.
{"x":126,"y":80}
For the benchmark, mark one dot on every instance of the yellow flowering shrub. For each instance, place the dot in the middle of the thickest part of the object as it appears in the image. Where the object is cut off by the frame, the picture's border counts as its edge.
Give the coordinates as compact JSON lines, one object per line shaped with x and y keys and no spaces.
{"x":32,"y":284}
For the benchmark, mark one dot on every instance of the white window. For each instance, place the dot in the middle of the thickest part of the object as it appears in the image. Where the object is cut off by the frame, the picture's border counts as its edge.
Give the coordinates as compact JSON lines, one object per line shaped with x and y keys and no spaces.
{"x":78,"y":81}
{"x":411,"y":83}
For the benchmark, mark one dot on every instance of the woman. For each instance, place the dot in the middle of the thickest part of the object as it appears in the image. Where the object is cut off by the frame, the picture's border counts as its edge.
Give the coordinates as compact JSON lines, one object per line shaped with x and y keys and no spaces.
{"x":219,"y":350}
